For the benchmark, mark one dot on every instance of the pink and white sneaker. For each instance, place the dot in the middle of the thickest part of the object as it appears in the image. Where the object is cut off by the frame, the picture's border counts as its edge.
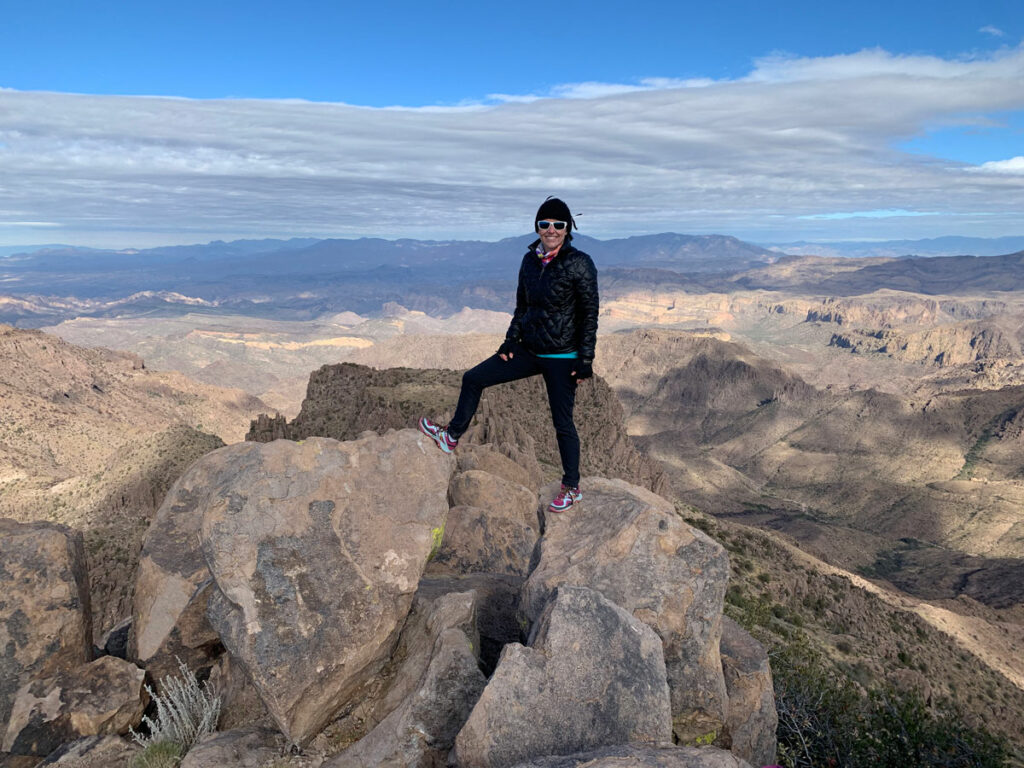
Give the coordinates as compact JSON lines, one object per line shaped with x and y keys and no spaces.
{"x":565,"y":499}
{"x":438,"y":434}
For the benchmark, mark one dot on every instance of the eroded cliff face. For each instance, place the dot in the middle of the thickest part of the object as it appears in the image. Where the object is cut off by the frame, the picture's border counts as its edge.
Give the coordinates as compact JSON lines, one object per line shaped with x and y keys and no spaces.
{"x":945,"y":345}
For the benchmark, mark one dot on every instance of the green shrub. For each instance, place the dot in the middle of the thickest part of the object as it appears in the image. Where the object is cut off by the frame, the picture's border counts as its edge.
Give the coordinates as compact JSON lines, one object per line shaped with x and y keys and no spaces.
{"x":825,"y":720}
{"x":159,"y":754}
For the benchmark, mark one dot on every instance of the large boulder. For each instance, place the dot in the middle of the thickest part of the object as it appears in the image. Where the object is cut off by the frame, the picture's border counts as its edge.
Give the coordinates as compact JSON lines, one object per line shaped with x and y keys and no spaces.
{"x":594,"y":676}
{"x":480,"y":541}
{"x":750,"y":726}
{"x":104,"y":697}
{"x":45,"y":623}
{"x":434,"y":691}
{"x":632,"y":547}
{"x":173,"y":583}
{"x":316,"y":549}
{"x":635,"y":756}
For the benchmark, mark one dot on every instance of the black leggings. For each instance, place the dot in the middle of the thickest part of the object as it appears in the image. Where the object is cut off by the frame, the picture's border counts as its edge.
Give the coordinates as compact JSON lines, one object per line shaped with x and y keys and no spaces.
{"x":561,"y":386}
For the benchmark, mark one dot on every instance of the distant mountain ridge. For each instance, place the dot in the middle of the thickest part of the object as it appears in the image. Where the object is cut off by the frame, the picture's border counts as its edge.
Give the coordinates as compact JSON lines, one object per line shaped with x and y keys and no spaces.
{"x":935,"y":275}
{"x":715,"y":253}
{"x":303,"y":279}
{"x":949,"y":245}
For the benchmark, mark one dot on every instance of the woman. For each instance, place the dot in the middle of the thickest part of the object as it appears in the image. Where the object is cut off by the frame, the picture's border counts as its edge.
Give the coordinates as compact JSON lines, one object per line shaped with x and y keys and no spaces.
{"x":553,"y":333}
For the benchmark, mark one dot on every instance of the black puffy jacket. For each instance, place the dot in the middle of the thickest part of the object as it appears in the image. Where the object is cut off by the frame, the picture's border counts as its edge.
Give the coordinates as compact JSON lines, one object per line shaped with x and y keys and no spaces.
{"x":556,"y":304}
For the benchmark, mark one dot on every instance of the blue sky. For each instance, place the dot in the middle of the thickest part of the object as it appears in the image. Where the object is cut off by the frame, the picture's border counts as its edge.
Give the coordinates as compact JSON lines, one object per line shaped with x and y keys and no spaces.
{"x":793,"y":120}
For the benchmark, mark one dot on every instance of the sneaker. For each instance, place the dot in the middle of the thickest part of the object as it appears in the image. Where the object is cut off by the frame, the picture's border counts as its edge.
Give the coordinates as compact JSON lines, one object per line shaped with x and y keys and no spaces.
{"x":565,"y":499}
{"x":438,"y":434}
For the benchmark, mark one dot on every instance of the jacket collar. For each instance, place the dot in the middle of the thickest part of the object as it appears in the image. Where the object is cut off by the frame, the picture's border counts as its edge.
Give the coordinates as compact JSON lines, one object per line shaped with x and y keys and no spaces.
{"x":566,"y":248}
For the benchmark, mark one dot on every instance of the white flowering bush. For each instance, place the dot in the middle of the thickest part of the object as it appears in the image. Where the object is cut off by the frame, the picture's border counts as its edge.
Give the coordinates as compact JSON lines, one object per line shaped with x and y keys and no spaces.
{"x":186,"y":710}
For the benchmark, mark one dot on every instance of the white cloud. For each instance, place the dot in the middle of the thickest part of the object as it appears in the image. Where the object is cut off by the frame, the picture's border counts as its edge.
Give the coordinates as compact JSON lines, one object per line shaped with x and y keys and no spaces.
{"x":1015,"y":165}
{"x":988,"y":29}
{"x":756,"y":156}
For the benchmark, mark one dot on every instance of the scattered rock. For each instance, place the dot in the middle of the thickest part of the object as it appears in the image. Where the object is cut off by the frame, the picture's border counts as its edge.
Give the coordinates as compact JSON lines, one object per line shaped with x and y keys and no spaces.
{"x":240,"y":748}
{"x":316,"y":549}
{"x":595,"y":676}
{"x":635,"y":756}
{"x":45,"y":623}
{"x":104,"y":697}
{"x":632,"y":547}
{"x":752,"y":720}
{"x":479,"y":541}
{"x":94,"y":752}
{"x":433,"y":705}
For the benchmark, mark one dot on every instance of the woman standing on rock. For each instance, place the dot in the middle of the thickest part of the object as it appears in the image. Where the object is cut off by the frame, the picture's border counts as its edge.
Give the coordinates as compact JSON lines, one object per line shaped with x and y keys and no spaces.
{"x":553,"y":333}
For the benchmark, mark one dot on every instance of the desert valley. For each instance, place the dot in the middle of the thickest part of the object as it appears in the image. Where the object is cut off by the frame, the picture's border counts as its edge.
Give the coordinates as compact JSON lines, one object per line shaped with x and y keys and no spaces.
{"x":849,"y":429}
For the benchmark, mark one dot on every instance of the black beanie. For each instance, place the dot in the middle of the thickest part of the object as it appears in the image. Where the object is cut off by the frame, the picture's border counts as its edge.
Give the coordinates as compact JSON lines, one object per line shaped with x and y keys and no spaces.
{"x":555,"y":209}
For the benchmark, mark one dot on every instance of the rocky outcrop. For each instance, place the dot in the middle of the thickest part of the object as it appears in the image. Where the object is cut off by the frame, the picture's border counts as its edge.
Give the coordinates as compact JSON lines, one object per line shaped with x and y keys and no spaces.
{"x":265,"y":428}
{"x":93,"y":440}
{"x":432,"y":692}
{"x":630,"y":545}
{"x":642,"y":757}
{"x":752,"y":719}
{"x":346,"y":399}
{"x":104,"y":697}
{"x":374,"y":609}
{"x":593,"y":676}
{"x":45,"y":623}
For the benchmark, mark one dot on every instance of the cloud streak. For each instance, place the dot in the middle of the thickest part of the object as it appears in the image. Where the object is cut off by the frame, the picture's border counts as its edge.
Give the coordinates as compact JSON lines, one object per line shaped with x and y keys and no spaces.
{"x":775,"y":154}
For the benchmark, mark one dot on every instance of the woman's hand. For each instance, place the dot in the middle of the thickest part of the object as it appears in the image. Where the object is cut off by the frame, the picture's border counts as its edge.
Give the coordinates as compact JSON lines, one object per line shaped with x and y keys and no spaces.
{"x":505,"y":350}
{"x":584,"y":370}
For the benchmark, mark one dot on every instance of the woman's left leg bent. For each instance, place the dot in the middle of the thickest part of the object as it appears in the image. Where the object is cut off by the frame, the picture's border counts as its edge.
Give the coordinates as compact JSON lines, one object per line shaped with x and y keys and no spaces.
{"x":561,"y":388}
{"x":491,"y":371}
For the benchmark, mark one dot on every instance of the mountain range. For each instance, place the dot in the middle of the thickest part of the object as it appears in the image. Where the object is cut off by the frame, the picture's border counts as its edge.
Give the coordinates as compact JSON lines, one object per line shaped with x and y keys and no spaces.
{"x":303,"y":279}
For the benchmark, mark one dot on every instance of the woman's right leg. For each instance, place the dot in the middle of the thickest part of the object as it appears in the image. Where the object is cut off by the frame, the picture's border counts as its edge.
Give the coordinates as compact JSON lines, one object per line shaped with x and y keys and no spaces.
{"x":491,"y":371}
